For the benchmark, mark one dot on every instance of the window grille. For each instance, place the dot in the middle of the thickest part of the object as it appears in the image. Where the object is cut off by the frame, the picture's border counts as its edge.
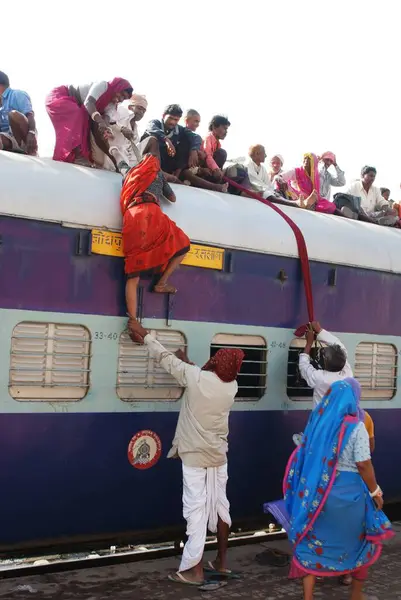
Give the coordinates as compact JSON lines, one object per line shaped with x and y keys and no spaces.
{"x":49,"y":362}
{"x":139,"y":377}
{"x":376,"y":370}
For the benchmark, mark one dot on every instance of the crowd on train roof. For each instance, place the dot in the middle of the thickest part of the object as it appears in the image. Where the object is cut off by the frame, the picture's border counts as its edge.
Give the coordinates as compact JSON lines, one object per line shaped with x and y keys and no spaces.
{"x":96,"y":125}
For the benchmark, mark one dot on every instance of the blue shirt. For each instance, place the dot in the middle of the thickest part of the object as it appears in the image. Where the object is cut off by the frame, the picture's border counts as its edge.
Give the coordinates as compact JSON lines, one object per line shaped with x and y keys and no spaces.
{"x":13,"y":100}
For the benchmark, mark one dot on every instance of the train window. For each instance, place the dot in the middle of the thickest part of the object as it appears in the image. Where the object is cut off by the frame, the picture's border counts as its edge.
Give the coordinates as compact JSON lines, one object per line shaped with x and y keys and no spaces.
{"x":376,"y":370}
{"x":49,"y":362}
{"x":297,"y":388}
{"x":139,"y":377}
{"x":253,"y":375}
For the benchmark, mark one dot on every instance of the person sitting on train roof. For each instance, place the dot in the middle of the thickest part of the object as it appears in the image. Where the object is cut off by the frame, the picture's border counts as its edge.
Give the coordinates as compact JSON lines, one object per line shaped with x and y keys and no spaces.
{"x":303,"y":184}
{"x":178,"y":145}
{"x":327,"y":180}
{"x":336,"y":365}
{"x":17,"y":120}
{"x":200,"y":442}
{"x":259,"y":178}
{"x":215,"y":155}
{"x":200,"y":176}
{"x":373,"y":205}
{"x":123,"y":124}
{"x":77,"y":110}
{"x":276,"y":166}
{"x":152,"y":242}
{"x":385,"y":192}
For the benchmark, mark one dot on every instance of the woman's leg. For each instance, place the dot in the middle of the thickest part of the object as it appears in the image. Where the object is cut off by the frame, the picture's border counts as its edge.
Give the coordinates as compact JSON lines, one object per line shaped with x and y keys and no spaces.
{"x":309,"y":583}
{"x":357,"y":590}
{"x":161,"y":287}
{"x":131,"y":288}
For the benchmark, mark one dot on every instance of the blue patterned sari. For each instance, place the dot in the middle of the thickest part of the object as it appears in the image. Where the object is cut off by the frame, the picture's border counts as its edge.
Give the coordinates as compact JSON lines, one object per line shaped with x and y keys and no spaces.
{"x":332,"y":522}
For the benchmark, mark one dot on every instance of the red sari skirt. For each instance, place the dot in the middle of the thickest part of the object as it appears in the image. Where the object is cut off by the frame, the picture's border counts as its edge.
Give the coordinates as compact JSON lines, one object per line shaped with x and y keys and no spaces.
{"x":150,"y":240}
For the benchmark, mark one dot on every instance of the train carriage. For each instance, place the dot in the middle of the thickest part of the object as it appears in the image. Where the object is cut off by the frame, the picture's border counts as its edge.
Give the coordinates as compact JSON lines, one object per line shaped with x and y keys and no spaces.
{"x":87,"y":418}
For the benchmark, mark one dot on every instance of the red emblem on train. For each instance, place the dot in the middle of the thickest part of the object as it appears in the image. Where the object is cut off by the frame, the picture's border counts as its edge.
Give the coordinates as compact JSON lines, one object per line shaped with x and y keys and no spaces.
{"x":144,"y":450}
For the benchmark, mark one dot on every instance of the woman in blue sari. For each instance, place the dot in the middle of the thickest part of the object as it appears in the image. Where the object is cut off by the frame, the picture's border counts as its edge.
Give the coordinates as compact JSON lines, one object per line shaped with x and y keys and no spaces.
{"x":336,"y":525}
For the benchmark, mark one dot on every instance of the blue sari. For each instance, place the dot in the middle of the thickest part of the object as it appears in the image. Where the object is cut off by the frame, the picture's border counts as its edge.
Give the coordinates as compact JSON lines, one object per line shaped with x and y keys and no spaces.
{"x":326,"y":539}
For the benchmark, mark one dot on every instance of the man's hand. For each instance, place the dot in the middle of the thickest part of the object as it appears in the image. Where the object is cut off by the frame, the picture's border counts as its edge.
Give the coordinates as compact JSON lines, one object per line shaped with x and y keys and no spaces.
{"x":172,"y":178}
{"x":310,"y":337}
{"x":104,"y":130}
{"x":217,"y":174}
{"x":31,"y":143}
{"x":138,"y":332}
{"x":170,"y":147}
{"x":193,"y":159}
{"x":317,"y":328}
{"x":127,"y":133}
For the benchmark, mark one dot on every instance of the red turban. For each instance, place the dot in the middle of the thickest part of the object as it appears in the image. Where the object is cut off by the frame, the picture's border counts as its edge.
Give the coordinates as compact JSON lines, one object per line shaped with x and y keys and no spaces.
{"x":226,"y":364}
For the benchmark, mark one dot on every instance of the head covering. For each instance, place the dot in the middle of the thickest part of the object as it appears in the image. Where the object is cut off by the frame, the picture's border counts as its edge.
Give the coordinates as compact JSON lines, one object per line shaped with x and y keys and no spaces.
{"x":138,"y":100}
{"x":138,"y":179}
{"x":329,"y":155}
{"x":226,"y":363}
{"x":356,"y":388}
{"x":312,"y":469}
{"x":281,"y":159}
{"x":114,"y":87}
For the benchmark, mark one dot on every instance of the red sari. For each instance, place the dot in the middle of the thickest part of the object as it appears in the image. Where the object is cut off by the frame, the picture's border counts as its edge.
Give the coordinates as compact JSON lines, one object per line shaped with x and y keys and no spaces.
{"x":150,"y":238}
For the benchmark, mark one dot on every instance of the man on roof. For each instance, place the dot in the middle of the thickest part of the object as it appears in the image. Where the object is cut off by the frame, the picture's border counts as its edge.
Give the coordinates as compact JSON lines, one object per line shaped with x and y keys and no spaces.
{"x":259,"y":177}
{"x":17,"y":120}
{"x":373,"y":204}
{"x":327,"y":180}
{"x":178,"y":145}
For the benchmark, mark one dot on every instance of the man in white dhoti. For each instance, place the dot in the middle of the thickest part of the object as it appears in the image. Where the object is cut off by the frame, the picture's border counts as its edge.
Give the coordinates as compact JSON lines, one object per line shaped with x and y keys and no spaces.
{"x":201,"y":443}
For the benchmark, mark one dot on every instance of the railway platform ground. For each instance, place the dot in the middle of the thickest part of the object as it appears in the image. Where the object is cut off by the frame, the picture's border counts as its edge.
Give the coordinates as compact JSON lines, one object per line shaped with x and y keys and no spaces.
{"x":148,"y":580}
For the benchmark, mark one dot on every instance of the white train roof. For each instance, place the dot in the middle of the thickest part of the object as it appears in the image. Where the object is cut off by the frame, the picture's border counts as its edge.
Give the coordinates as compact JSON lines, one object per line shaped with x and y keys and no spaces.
{"x":43,"y":189}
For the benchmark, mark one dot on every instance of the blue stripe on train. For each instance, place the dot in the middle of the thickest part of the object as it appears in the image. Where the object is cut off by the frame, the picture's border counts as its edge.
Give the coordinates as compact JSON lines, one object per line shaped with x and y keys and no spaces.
{"x":65,"y":475}
{"x":42,"y":271}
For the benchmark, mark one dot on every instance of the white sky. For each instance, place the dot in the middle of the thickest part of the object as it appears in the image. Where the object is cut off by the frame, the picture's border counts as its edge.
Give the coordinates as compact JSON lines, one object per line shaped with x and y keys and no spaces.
{"x":296,"y":76}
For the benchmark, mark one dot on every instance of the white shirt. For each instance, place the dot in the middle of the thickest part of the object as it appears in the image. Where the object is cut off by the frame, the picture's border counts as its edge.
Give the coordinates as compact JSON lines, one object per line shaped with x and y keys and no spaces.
{"x":327,"y":181}
{"x":319,"y":379}
{"x":202,"y":430}
{"x":369,"y":200}
{"x":259,"y":178}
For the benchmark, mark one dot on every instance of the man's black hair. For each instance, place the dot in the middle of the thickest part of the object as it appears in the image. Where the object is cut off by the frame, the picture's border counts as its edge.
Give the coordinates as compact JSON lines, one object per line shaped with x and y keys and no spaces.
{"x":4,"y":80}
{"x":367,"y":169}
{"x":218,"y":120}
{"x":129,"y":91}
{"x":334,"y":358}
{"x":174,"y":110}
{"x":384,"y":190}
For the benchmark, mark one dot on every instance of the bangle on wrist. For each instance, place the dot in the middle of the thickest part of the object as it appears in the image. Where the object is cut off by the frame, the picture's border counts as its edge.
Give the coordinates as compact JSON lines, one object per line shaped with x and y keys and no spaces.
{"x":95,"y":114}
{"x":32,"y":131}
{"x":377,"y":492}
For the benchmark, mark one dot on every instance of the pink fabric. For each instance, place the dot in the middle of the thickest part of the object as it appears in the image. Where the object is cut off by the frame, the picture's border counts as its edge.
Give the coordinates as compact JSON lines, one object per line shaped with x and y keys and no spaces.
{"x":72,"y":122}
{"x":297,"y":572}
{"x":308,"y":184}
{"x":209,"y":146}
{"x":329,"y":155}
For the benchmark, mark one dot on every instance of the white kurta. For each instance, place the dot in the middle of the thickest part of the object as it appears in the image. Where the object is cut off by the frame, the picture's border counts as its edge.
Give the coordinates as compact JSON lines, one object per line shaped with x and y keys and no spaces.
{"x":319,"y":379}
{"x":371,"y":200}
{"x":259,"y":178}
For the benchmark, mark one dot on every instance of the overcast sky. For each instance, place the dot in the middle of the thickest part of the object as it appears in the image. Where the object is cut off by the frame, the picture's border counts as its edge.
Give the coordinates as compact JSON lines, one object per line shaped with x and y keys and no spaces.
{"x":296,"y":76}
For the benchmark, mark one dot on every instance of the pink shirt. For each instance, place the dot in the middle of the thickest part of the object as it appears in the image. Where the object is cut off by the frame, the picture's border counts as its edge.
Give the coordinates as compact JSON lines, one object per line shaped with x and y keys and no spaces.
{"x":209,"y":145}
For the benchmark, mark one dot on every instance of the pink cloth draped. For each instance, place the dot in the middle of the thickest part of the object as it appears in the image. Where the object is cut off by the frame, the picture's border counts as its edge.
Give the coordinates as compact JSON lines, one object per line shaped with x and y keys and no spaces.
{"x":71,"y":121}
{"x":308,"y":184}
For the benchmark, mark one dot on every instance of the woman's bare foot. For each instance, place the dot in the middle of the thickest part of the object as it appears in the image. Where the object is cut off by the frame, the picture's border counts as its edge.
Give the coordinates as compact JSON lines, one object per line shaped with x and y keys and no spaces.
{"x":164,"y":288}
{"x":310,"y":201}
{"x":222,"y":187}
{"x":346,"y":579}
